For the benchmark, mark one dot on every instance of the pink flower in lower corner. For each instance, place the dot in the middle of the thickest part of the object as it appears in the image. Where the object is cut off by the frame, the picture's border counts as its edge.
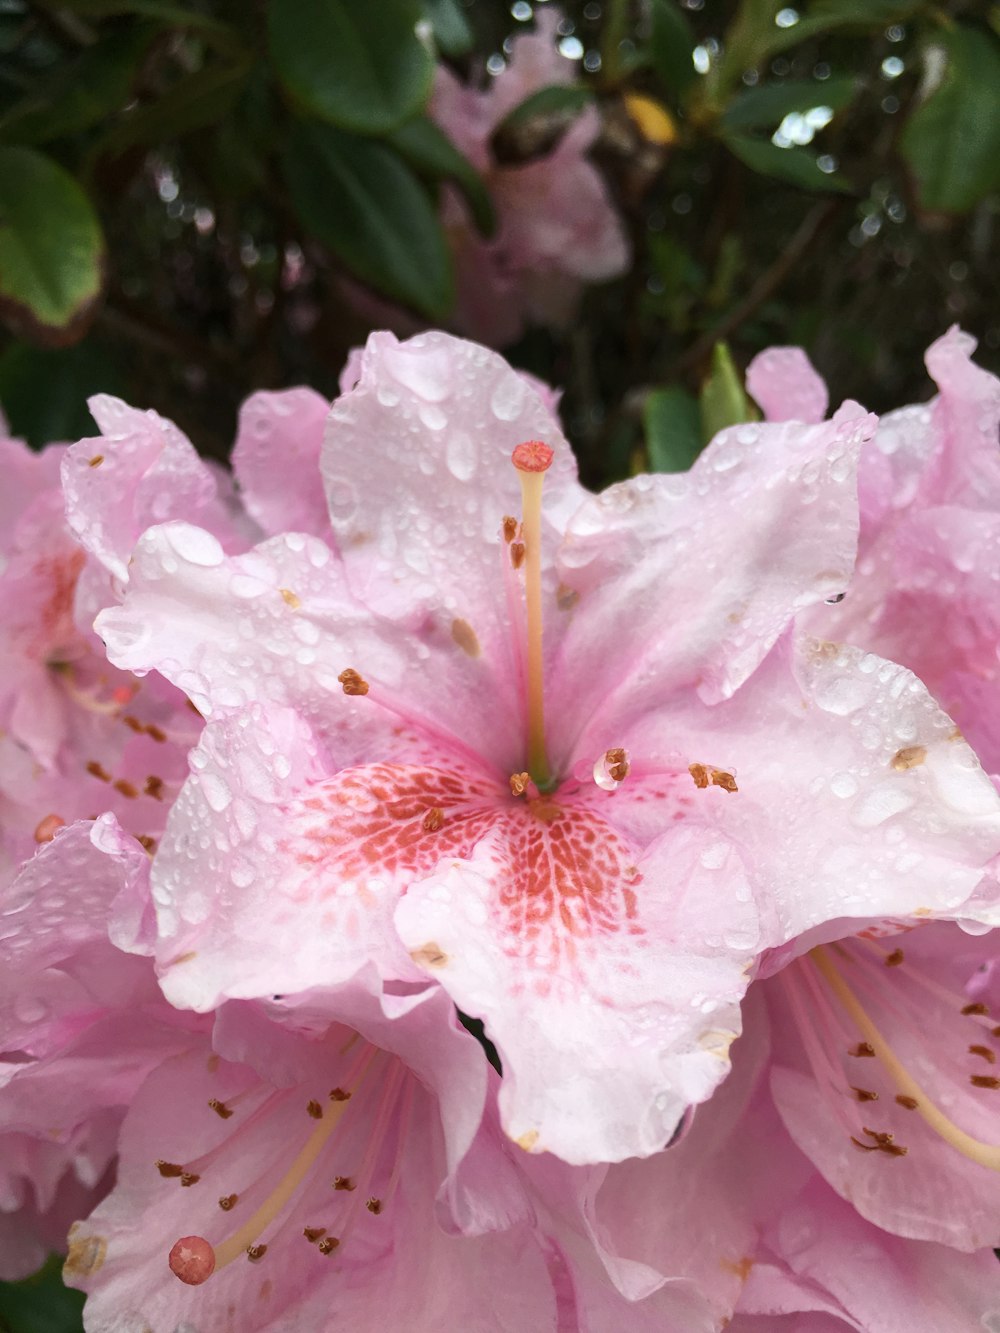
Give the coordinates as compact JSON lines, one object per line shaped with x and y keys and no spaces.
{"x":587,"y":833}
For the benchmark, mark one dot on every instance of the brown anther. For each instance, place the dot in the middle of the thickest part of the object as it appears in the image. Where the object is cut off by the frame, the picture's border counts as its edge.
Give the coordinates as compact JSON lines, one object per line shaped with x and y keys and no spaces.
{"x":864,"y":1095}
{"x":133,"y":723}
{"x":995,"y":1032}
{"x":374,"y":1205}
{"x":509,"y":528}
{"x":616,"y":764}
{"x":168,"y":1169}
{"x":328,"y":1245}
{"x":96,"y":461}
{"x":720,"y":778}
{"x":189,"y":1178}
{"x":220,"y":1108}
{"x":352,"y":682}
{"x":228,"y":1202}
{"x":154,"y":787}
{"x":47,"y":828}
{"x":984,"y":1081}
{"x":517,"y":554}
{"x":985,"y":1052}
{"x":883,"y":1141}
{"x":700,"y":774}
{"x":343,"y":1183}
{"x":909,"y":1102}
{"x":146,"y":841}
{"x":155,"y":733}
{"x":862,"y":1048}
{"x":976,"y":1008}
{"x":433,"y":819}
{"x":339,"y":1095}
{"x":895,"y":958}
{"x":96,"y":770}
{"x":313,"y":1234}
{"x":911,"y":756}
{"x":519,"y":783}
{"x":255,"y":1252}
{"x":315,"y":1110}
{"x":290,"y":599}
{"x":126,"y":788}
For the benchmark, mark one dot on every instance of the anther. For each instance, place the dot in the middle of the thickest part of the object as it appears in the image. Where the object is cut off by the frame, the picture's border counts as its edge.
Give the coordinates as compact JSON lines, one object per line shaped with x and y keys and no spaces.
{"x":313,"y":1234}
{"x":339,"y":1095}
{"x":720,"y":778}
{"x":532,"y":456}
{"x":895,"y":958}
{"x":133,"y":724}
{"x":328,"y":1245}
{"x":700,"y":774}
{"x":519,"y":783}
{"x":168,"y":1169}
{"x":126,"y":788}
{"x":154,"y":787}
{"x":985,"y":1052}
{"x":517,"y":555}
{"x":617,"y":763}
{"x":144,"y":840}
{"x":155,"y":733}
{"x":220,"y":1108}
{"x":343,"y":1183}
{"x":509,"y":528}
{"x":984,"y":1081}
{"x":910,"y":1103}
{"x":315,"y":1110}
{"x":96,"y":461}
{"x":862,"y":1048}
{"x":433,"y":819}
{"x":374,"y":1205}
{"x":290,"y":599}
{"x":864,"y":1095}
{"x":911,"y":756}
{"x":255,"y":1252}
{"x":977,"y":1008}
{"x":48,"y":827}
{"x":189,"y":1178}
{"x":96,"y":770}
{"x":228,"y":1202}
{"x":352,"y":682}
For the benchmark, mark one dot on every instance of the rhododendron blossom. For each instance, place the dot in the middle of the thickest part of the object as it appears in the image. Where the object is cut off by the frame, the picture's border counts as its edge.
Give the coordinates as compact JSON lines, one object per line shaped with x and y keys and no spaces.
{"x":556,"y":752}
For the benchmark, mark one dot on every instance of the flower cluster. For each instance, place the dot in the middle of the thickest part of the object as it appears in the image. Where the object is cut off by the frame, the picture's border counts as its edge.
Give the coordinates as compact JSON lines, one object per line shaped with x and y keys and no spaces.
{"x":434,"y":895}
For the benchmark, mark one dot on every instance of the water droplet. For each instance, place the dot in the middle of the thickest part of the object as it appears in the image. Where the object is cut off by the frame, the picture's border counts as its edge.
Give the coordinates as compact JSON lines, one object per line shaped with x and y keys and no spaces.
{"x":195,"y":545}
{"x":461,"y":455}
{"x":507,"y":400}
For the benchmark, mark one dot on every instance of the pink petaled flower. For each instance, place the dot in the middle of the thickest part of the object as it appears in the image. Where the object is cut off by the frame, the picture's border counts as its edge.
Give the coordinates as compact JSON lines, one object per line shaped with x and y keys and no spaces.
{"x":586,"y":834}
{"x":556,"y":226}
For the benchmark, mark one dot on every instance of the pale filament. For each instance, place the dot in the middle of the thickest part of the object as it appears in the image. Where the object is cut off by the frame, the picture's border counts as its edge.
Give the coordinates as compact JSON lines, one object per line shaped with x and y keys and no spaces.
{"x":986,"y":1154}
{"x":531,"y":525}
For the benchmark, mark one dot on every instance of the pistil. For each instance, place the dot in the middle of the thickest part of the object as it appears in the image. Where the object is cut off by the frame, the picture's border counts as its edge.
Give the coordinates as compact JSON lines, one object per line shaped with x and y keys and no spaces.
{"x":532,"y":460}
{"x":910,"y":1093}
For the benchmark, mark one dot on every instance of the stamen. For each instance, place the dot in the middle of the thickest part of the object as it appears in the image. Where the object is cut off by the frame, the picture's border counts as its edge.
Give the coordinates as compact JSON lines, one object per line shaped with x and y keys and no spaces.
{"x":48,"y":827}
{"x":352,"y":682}
{"x":986,"y":1154}
{"x":519,"y":783}
{"x":220,"y":1108}
{"x":433,"y":819}
{"x":228,"y":1202}
{"x":509,"y":528}
{"x":895,"y":958}
{"x":532,"y":459}
{"x":612,"y":769}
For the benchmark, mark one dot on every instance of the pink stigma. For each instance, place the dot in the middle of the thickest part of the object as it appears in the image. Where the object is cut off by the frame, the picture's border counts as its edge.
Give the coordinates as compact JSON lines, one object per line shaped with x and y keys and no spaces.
{"x":192,"y":1260}
{"x":532,"y":456}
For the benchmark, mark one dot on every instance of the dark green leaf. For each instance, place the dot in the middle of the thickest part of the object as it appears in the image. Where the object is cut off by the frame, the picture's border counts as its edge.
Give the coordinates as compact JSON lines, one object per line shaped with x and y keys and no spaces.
{"x":354,"y":63}
{"x":44,"y":391}
{"x":178,"y":15}
{"x":671,"y":43}
{"x":203,"y":98}
{"x":768,"y":105}
{"x":797,"y":166}
{"x":536,"y":125}
{"x":723,"y":399}
{"x":952,"y":141}
{"x":430,"y":152}
{"x":672,"y":426}
{"x":41,"y":1304}
{"x":362,"y":200}
{"x":451,"y":31}
{"x":81,"y":92}
{"x":51,"y":247}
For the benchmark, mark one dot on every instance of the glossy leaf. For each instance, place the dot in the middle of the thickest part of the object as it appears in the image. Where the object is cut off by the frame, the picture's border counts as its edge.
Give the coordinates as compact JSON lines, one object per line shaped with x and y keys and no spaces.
{"x":51,"y":248}
{"x":534,"y":127}
{"x":200,"y":99}
{"x":672,"y":425}
{"x":952,"y":141}
{"x":451,"y":29}
{"x":360,"y":66}
{"x":44,"y":391}
{"x":41,"y":1303}
{"x":767,"y":105}
{"x":364,"y":202}
{"x":432,"y":154}
{"x":797,"y":166}
{"x":723,"y":399}
{"x":671,"y":43}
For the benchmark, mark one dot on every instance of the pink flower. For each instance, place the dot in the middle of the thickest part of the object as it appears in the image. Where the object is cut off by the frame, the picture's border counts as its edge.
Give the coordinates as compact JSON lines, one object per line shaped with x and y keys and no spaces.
{"x":926,"y":588}
{"x":586,"y":837}
{"x":556,"y":226}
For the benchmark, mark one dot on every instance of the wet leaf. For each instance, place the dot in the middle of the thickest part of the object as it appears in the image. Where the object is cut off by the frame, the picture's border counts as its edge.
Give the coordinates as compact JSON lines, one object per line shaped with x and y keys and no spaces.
{"x":672,"y":427}
{"x":431,"y":153}
{"x":723,"y":400}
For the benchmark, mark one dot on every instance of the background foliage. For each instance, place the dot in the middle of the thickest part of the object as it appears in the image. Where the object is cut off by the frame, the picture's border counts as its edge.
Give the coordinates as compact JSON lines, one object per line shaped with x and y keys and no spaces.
{"x":184,"y":186}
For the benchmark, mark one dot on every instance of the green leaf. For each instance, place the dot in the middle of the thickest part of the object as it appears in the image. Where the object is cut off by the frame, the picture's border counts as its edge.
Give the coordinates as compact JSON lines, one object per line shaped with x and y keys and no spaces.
{"x":794,"y":165}
{"x":357,"y":64}
{"x":80,"y":92}
{"x":431,"y":153}
{"x":41,"y":1304}
{"x":451,"y":30}
{"x":723,"y":399}
{"x":195,"y":101}
{"x":361,"y":199}
{"x":51,"y":248}
{"x":768,"y":105}
{"x":951,"y":142}
{"x":178,"y":15}
{"x":672,"y":426}
{"x":671,"y":43}
{"x":535,"y":126}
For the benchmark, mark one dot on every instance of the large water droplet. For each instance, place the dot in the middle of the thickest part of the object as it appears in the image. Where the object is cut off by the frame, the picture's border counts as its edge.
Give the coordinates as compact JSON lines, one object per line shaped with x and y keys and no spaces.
{"x":461,"y":455}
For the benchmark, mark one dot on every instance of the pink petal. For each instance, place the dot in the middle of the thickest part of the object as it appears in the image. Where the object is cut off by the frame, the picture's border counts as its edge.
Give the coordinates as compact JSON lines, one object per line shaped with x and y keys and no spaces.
{"x":785,"y":385}
{"x":276,"y":460}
